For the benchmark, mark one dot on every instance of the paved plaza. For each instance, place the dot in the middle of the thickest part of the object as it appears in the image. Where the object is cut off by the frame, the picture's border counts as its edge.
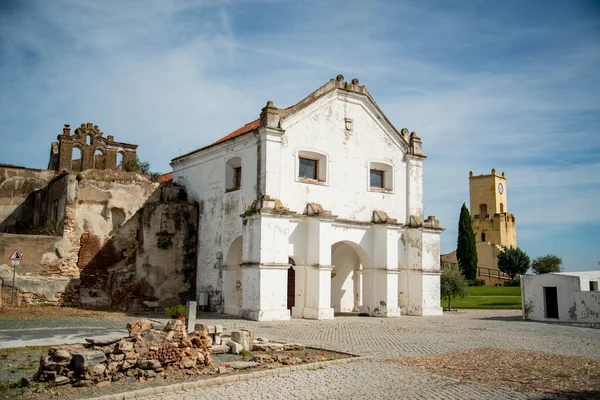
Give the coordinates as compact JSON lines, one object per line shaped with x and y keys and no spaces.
{"x":381,"y":339}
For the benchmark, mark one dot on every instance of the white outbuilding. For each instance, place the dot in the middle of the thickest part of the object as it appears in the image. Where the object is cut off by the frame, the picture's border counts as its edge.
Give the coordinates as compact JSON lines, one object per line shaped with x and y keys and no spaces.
{"x":565,"y":297}
{"x":314,"y":209}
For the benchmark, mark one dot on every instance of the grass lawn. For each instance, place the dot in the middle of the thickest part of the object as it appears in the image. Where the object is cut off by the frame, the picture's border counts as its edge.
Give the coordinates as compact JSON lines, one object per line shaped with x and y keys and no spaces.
{"x":498,"y":302}
{"x":507,"y":297}
{"x":494,"y":291}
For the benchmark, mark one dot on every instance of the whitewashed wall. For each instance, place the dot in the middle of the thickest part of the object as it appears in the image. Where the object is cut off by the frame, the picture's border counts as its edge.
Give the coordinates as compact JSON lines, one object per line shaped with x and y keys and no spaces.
{"x":320,"y":127}
{"x":575,"y":302}
{"x":220,"y":224}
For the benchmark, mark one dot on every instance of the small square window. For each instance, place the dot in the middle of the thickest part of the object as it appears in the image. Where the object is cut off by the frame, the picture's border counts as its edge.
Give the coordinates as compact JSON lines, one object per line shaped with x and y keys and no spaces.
{"x":377,"y":179}
{"x":308,"y":168}
{"x":594,"y":286}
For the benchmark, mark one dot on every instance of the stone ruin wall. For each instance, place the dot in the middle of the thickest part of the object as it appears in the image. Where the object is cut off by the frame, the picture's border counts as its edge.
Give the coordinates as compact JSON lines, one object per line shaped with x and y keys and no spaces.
{"x":93,"y":260}
{"x":17,"y":185}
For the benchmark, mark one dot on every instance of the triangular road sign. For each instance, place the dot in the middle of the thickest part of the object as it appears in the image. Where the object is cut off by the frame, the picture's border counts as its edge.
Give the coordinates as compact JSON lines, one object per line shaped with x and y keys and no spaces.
{"x":15,"y":256}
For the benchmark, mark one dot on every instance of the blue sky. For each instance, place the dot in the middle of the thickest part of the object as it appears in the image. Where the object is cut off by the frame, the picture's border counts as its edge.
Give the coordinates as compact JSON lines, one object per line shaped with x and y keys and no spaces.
{"x":512,"y":85}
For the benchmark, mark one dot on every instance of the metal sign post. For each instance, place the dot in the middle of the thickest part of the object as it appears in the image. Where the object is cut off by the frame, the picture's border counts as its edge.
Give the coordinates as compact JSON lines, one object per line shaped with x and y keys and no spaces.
{"x":15,"y":258}
{"x":12,"y":293}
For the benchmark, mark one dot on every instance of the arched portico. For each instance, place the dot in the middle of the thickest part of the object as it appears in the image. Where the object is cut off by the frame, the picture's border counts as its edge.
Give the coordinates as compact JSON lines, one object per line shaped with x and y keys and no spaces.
{"x":232,"y":278}
{"x":346,"y":279}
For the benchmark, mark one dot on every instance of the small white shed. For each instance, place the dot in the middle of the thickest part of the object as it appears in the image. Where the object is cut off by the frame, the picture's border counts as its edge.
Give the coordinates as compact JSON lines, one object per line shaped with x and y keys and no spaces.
{"x":565,"y":297}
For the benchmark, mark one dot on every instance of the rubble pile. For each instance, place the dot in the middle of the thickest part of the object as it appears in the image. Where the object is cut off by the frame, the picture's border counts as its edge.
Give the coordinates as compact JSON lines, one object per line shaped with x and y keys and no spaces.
{"x":146,"y":353}
{"x":150,"y":353}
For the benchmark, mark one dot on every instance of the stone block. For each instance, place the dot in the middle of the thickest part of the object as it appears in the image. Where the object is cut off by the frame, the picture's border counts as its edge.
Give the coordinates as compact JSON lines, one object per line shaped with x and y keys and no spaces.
{"x":61,"y":380}
{"x":124,"y":346}
{"x":149,"y":364}
{"x":243,"y":364}
{"x":218,"y":328}
{"x":267,"y":346}
{"x":84,"y":359}
{"x":59,"y":355}
{"x":242,"y":338}
{"x":141,"y":326}
{"x":218,"y":339}
{"x":103,"y":341}
{"x":96,"y":370}
{"x":219,"y":349}
{"x":190,"y":315}
{"x":235,"y":348}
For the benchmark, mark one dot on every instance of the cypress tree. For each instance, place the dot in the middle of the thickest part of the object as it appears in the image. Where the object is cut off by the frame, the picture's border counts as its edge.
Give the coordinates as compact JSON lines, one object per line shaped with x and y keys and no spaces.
{"x":466,"y":249}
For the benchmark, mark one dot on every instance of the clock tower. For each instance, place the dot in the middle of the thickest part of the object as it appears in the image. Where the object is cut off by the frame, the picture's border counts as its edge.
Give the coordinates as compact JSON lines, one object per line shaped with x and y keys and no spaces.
{"x":489,"y":210}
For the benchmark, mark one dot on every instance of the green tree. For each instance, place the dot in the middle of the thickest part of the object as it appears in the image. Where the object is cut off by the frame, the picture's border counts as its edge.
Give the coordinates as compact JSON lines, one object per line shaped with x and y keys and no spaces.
{"x":466,"y":248}
{"x":546,"y":264}
{"x":141,"y":167}
{"x":453,"y":284}
{"x":513,"y":261}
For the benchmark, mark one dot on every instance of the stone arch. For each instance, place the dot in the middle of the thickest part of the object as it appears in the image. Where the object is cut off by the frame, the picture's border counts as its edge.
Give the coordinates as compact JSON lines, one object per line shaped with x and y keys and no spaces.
{"x":232,"y":278}
{"x":99,"y":159}
{"x":482,"y":211}
{"x":348,"y":259}
{"x":120,"y":160}
{"x":76,"y":163}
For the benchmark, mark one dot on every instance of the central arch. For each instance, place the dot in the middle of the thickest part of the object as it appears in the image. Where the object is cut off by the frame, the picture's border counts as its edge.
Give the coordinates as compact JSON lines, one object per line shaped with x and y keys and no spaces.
{"x":346,"y":278}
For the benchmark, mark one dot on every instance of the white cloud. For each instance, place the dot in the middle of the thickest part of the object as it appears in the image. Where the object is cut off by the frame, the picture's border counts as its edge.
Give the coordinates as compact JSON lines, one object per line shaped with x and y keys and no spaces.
{"x":482,"y":88}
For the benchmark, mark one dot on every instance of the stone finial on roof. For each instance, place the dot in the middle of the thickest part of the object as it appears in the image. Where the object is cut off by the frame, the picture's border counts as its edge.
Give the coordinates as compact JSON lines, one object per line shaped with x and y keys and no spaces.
{"x":269,"y":116}
{"x":431,"y":222}
{"x":404,"y":133}
{"x":493,"y":171}
{"x":339,"y":78}
{"x":67,"y":130}
{"x":416,"y":145}
{"x":355,"y":81}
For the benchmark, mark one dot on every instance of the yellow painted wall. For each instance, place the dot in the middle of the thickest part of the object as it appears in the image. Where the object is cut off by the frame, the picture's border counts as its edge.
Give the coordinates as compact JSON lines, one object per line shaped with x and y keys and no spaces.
{"x":484,"y":189}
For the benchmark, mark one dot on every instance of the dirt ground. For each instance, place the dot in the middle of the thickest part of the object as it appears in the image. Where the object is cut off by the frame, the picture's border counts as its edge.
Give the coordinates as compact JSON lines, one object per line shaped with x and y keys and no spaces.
{"x":524,"y":371}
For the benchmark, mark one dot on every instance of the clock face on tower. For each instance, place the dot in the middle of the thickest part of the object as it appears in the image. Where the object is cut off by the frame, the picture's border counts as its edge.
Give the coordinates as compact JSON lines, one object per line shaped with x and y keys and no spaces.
{"x":500,"y":188}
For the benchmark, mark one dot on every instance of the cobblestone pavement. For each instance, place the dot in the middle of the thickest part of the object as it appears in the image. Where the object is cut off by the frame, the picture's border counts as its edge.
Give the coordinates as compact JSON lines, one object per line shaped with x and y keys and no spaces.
{"x":382,"y":339}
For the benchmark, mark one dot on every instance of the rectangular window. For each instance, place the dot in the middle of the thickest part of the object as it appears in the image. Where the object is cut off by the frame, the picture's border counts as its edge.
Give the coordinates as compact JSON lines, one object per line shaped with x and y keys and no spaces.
{"x":237,"y":177}
{"x":308,"y":168}
{"x":594,"y":286}
{"x":377,"y":179}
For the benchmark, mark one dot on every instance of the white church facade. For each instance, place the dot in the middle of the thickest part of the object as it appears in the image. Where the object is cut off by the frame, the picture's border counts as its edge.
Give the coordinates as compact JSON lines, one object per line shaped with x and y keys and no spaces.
{"x":315,"y":209}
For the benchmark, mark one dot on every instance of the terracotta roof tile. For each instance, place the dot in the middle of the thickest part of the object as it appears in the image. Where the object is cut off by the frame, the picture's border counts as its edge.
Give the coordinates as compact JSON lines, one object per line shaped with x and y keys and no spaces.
{"x":165,"y":177}
{"x":250,"y":126}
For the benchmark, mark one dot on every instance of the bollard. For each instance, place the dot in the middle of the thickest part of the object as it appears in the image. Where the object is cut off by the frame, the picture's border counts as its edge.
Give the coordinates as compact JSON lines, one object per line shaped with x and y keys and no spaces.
{"x":190,"y":315}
